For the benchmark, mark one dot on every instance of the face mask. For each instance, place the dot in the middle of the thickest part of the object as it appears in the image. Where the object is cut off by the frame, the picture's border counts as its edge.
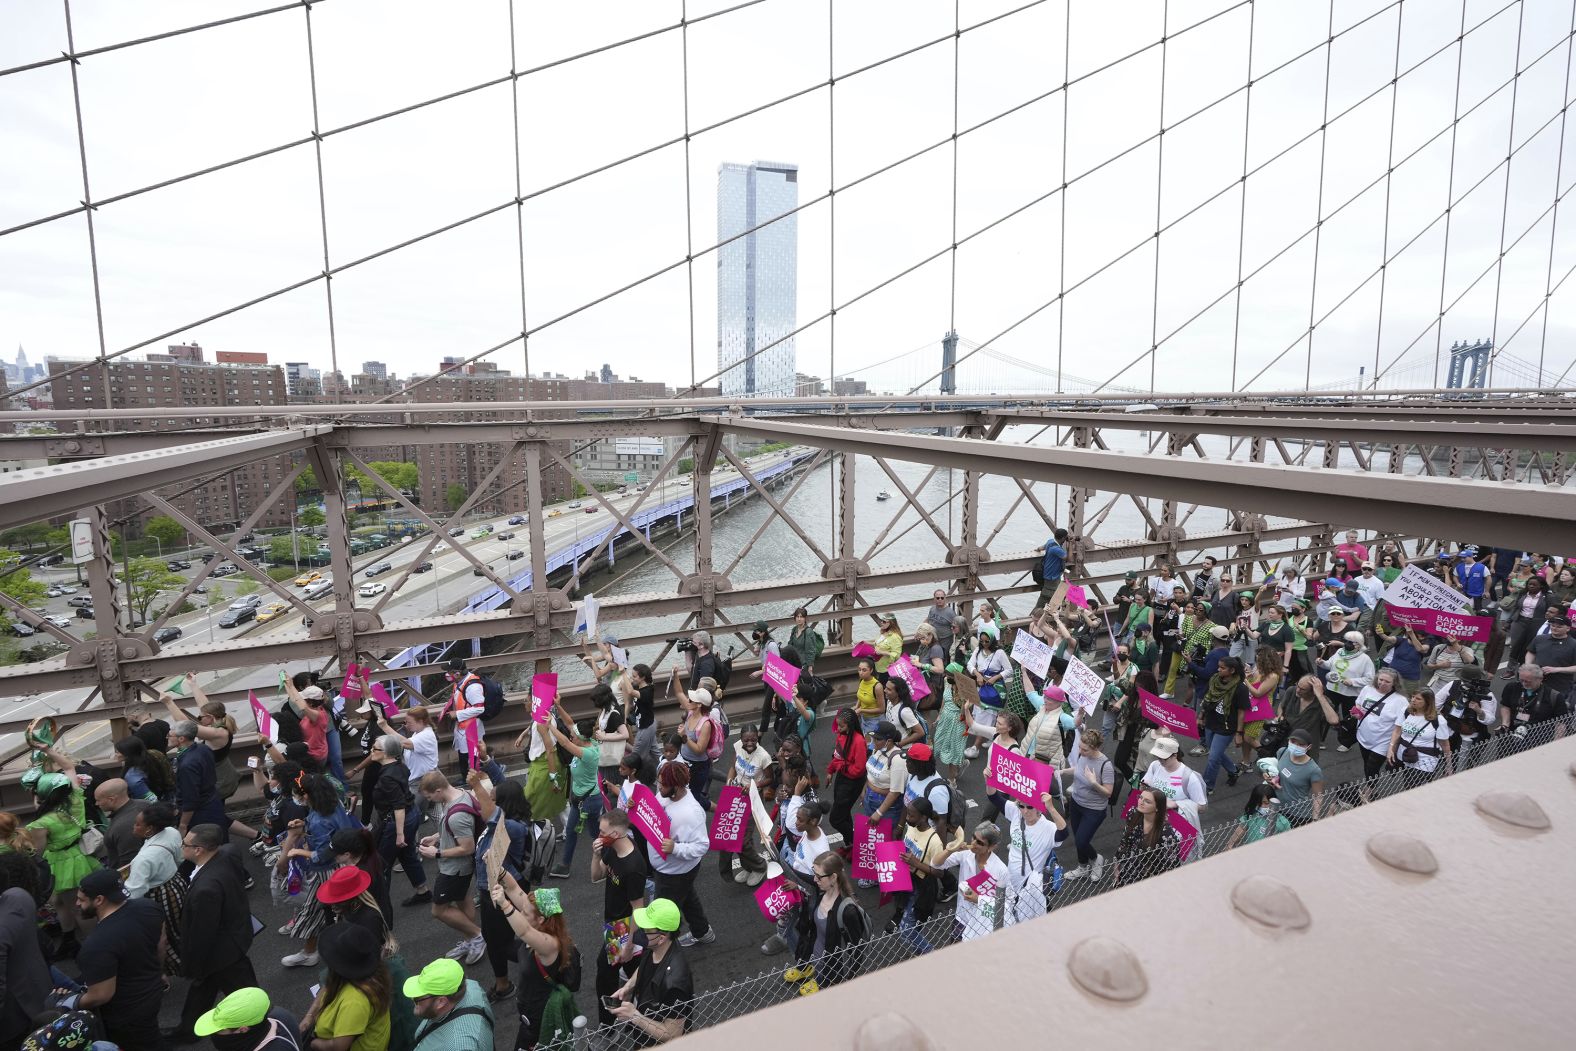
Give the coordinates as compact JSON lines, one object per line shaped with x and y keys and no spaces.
{"x":1296,"y":749}
{"x":1266,"y":811}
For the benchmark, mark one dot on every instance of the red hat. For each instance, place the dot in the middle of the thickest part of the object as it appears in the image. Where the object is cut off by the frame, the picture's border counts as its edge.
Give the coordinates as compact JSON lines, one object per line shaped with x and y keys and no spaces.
{"x":343,"y":885}
{"x":920,"y":752}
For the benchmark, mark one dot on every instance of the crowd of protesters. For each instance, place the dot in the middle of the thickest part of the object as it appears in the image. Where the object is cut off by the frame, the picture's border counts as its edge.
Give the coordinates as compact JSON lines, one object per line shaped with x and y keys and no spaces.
{"x":133,"y":885}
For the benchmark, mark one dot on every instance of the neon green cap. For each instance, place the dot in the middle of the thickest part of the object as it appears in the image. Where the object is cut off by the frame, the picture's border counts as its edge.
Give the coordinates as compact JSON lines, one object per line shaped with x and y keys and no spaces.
{"x":241,"y":1009}
{"x":438,"y":978}
{"x":660,"y":915}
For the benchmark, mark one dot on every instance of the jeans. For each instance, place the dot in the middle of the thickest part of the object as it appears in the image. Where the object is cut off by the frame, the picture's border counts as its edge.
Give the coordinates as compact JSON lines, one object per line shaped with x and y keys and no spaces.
{"x":868,"y":724}
{"x":408,"y":858}
{"x":1219,"y":745}
{"x":908,"y":926}
{"x":1084,"y":823}
{"x":336,"y":761}
{"x":588,"y":811}
{"x":700,"y":781}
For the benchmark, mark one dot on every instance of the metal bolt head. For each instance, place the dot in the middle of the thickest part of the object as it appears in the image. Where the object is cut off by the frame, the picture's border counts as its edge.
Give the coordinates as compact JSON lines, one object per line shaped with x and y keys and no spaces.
{"x":1271,"y":904}
{"x":1513,"y":808}
{"x":1404,"y":852}
{"x":1105,"y":968}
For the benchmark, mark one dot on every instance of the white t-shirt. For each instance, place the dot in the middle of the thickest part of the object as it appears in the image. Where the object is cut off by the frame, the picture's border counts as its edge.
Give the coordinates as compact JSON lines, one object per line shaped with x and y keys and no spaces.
{"x":1373,"y":731}
{"x":1039,"y":838}
{"x":1184,"y":783}
{"x":423,"y":758}
{"x":467,"y":707}
{"x":1160,"y":589}
{"x":886,"y":771}
{"x":1287,"y":594}
{"x":747,"y":764}
{"x":978,"y":918}
{"x":903,"y":717}
{"x":1371,"y":589}
{"x":1417,"y":731}
{"x":807,"y":850}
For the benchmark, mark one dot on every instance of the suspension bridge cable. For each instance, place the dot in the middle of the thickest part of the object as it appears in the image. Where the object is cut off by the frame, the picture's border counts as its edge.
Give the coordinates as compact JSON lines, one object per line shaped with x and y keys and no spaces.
{"x":1559,"y":170}
{"x":1504,"y":208}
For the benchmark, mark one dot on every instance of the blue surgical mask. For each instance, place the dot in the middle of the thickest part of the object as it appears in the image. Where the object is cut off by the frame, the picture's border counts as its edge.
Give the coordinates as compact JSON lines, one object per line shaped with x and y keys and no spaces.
{"x":1266,"y":811}
{"x":1296,"y":749}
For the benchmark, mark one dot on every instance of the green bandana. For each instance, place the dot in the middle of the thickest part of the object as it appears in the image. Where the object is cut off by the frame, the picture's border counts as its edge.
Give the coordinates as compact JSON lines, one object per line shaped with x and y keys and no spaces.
{"x":547,"y":901}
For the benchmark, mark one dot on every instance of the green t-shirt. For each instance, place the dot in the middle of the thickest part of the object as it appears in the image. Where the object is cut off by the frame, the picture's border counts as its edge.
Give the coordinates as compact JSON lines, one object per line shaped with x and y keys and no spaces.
{"x":350,"y":1014}
{"x":583,"y":768}
{"x":1259,"y":827}
{"x":1388,"y":574}
{"x":1299,"y":635}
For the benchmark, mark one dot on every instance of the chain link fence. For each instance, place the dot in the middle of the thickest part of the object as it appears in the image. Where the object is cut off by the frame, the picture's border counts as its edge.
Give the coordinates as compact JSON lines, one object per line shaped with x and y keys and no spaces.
{"x":1027,"y":893}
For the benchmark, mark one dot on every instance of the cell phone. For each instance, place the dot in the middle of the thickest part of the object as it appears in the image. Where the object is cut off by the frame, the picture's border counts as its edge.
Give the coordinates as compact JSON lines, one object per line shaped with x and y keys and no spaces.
{"x":610,"y":1002}
{"x":253,"y":762}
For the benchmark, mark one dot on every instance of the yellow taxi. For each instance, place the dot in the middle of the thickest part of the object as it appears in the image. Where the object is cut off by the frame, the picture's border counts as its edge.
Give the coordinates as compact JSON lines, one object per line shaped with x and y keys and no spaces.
{"x":554,"y":514}
{"x":306,"y":579}
{"x":270,"y":611}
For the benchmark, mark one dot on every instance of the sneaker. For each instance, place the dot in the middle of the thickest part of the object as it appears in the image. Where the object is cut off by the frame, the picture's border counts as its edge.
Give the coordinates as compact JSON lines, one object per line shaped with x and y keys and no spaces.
{"x":460,"y":951}
{"x":422,"y":898}
{"x":478,"y":949}
{"x":258,"y":848}
{"x":689,"y":940}
{"x":1196,"y":750}
{"x":1099,"y":868}
{"x":1231,"y":778}
{"x":300,"y":959}
{"x":774,"y":945}
{"x":741,"y":875}
{"x":559,"y":872}
{"x":864,"y":884}
{"x":1078,"y":873}
{"x":809,"y":987}
{"x":1341,"y":748}
{"x":250,"y":882}
{"x":755,"y":879}
{"x":289,"y":928}
{"x":971,"y":752}
{"x":802,"y":972}
{"x":496,"y":995}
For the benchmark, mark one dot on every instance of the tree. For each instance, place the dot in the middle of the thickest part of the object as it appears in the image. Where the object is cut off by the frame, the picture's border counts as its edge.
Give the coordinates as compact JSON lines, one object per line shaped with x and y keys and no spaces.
{"x":313,"y":517}
{"x":456,"y":495}
{"x":31,"y":536}
{"x":282,"y":549}
{"x":20,"y":585}
{"x":306,"y":482}
{"x":166,"y":530}
{"x":145,"y":578}
{"x":398,"y":473}
{"x":246,"y":586}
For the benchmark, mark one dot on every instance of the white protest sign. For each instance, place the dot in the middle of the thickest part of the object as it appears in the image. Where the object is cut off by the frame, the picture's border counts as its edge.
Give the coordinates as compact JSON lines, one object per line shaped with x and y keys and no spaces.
{"x":588,"y":616}
{"x":620,"y":656}
{"x":1083,"y":684}
{"x":1415,"y":589}
{"x":1031,"y":653}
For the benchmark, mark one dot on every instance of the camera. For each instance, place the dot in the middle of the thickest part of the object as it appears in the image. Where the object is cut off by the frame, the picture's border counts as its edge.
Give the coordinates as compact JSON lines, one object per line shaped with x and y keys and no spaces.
{"x":1458,"y":713}
{"x":682,"y":645}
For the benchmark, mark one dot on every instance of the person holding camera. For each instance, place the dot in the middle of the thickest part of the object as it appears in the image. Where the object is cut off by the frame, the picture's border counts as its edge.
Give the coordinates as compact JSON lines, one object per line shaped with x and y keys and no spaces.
{"x":1470,"y":709}
{"x":762,"y":643}
{"x":1529,"y":700}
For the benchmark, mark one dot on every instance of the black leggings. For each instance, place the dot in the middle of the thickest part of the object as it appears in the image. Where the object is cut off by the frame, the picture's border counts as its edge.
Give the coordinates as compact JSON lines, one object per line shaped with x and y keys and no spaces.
{"x":679,"y":888}
{"x":502,"y":944}
{"x":845,"y":793}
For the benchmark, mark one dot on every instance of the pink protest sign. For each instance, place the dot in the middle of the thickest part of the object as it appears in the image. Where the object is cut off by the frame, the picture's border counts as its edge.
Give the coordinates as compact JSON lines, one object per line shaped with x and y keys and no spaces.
{"x":776,"y":896}
{"x":891,"y":873}
{"x":862,"y":649}
{"x":917,"y":687}
{"x":781,"y":676}
{"x":473,"y":742}
{"x":1437,"y":622}
{"x":350,"y":689}
{"x":866,"y":837}
{"x":1018,"y":776}
{"x":266,"y":727}
{"x":1173,"y":717}
{"x":981,"y":883}
{"x":380,"y":694}
{"x":1078,"y":597}
{"x":727,"y":821}
{"x":1174,"y":818}
{"x":648,"y":817}
{"x":544,"y":692}
{"x":1260,"y":709}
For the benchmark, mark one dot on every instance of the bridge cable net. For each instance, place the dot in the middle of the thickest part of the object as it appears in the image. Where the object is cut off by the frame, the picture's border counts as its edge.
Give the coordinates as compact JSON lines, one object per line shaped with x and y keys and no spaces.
{"x":1279,"y":54}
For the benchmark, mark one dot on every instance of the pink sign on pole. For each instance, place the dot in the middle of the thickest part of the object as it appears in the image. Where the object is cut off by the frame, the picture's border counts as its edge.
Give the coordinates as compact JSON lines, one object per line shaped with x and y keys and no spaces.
{"x":727,"y":821}
{"x":866,"y":837}
{"x":544,"y":692}
{"x":1018,"y":776}
{"x":781,"y":676}
{"x":891,"y":873}
{"x":350,"y":689}
{"x":1174,"y":818}
{"x":266,"y":727}
{"x":380,"y":694}
{"x":776,"y":896}
{"x":647,"y":815}
{"x":1173,"y":717}
{"x":1438,"y":622}
{"x":981,"y":883}
{"x":862,"y":649}
{"x":1078,"y":597}
{"x":917,"y":686}
{"x":473,"y":742}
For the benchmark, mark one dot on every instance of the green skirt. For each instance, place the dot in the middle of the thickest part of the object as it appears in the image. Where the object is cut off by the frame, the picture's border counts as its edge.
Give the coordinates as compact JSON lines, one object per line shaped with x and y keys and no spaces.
{"x":68,"y":865}
{"x":548,"y":793}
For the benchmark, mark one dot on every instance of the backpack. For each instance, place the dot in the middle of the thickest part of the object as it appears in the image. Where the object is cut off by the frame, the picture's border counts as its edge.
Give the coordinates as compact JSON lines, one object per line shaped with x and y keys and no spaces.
{"x":814,"y":690}
{"x":492,"y":697}
{"x":724,"y":666}
{"x":956,"y":804}
{"x":465,"y":805}
{"x":719,"y":731}
{"x":1037,"y":571}
{"x":853,"y":947}
{"x":924,"y":727}
{"x":544,"y":847}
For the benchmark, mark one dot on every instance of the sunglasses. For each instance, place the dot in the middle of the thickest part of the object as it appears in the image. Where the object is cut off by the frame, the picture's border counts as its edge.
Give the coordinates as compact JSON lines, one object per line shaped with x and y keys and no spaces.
{"x":823,"y":875}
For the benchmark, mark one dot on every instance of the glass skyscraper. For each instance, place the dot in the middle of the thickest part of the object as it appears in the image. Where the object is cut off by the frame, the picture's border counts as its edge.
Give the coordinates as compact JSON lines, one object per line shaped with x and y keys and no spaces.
{"x":757,"y":278}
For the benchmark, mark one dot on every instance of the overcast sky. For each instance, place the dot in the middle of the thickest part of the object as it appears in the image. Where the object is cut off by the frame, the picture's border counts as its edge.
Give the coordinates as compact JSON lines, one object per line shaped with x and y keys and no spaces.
{"x":172,"y":256}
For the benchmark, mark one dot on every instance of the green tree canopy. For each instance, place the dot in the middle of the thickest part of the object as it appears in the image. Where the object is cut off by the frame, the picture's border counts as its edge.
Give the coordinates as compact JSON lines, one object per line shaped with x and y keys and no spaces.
{"x":146,"y":577}
{"x":312,"y":516}
{"x":456,"y":495}
{"x":166,"y":530}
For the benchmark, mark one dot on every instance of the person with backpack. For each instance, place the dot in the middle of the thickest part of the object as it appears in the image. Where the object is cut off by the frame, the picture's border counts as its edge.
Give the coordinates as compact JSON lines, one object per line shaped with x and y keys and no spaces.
{"x":762,"y":643}
{"x":657,"y":998}
{"x":503,"y":805}
{"x":454,"y":1014}
{"x":901,"y":713}
{"x":454,"y":848}
{"x":467,"y":702}
{"x":613,"y":733}
{"x":585,"y":791}
{"x":1052,"y":564}
{"x":703,"y":740}
{"x":922,"y":849}
{"x":1031,"y":856}
{"x":805,"y":639}
{"x":977,"y":908}
{"x":886,"y":772}
{"x":990,"y":668}
{"x":832,"y":926}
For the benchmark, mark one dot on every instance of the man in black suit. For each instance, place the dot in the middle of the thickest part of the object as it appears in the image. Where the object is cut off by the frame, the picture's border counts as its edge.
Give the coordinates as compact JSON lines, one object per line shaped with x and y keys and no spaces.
{"x":216,"y":926}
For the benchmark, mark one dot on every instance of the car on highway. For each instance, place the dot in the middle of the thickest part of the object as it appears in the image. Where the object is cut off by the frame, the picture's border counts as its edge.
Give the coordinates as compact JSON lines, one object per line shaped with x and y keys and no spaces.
{"x":306,"y":579}
{"x":80,"y":600}
{"x":509,"y":535}
{"x":517,"y":520}
{"x":67,"y":589}
{"x":167,"y":634}
{"x":574,"y":504}
{"x":381,"y":540}
{"x":53,"y":592}
{"x":270,"y":611}
{"x":235,"y":617}
{"x":84,"y":612}
{"x":481,"y":531}
{"x":554,"y":514}
{"x":640,"y":488}
{"x":22,"y":631}
{"x":379,"y":569}
{"x":457,"y":531}
{"x":319,"y":589}
{"x":592,"y":509}
{"x":59,"y":620}
{"x":246,"y":602}
{"x":479,"y":572}
{"x":515,"y":554}
{"x":423,"y":567}
{"x":368,"y":590}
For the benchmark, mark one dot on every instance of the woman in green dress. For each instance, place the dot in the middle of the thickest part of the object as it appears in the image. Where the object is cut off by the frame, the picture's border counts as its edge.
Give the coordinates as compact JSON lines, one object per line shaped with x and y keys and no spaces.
{"x":57,"y":835}
{"x":948,"y":738}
